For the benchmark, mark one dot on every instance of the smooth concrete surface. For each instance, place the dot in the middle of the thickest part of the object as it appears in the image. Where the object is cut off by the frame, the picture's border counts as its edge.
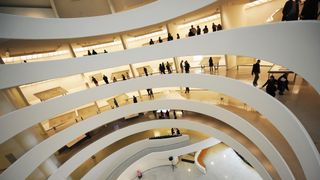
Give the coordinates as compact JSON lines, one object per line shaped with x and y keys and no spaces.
{"x":63,"y":137}
{"x":103,"y":168}
{"x":21,"y":27}
{"x":221,"y":161}
{"x":193,"y":126}
{"x":265,"y":104}
{"x":274,"y":42}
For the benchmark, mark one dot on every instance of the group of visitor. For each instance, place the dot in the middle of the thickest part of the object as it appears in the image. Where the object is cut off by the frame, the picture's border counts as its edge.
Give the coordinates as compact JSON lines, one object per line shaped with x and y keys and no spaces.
{"x":197,"y":31}
{"x":272,"y":84}
{"x":296,"y":9}
{"x":95,"y":52}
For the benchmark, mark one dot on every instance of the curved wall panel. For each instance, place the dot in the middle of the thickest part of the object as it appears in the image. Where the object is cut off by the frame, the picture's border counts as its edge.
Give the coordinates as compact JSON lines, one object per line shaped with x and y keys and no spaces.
{"x":32,"y":159}
{"x":277,"y":42}
{"x":225,"y":116}
{"x":104,"y":167}
{"x":63,"y":172}
{"x":20,"y":27}
{"x":289,"y":125}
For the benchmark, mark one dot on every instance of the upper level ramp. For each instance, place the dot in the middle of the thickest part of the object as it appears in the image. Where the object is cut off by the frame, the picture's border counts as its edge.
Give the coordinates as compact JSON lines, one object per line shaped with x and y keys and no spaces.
{"x":21,"y":27}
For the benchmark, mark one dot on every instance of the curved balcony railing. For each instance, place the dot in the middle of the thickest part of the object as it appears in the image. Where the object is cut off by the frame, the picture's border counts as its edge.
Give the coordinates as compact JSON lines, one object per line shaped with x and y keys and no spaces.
{"x":103,"y":168}
{"x":20,"y":27}
{"x":69,"y":165}
{"x":271,"y":42}
{"x":274,"y":107}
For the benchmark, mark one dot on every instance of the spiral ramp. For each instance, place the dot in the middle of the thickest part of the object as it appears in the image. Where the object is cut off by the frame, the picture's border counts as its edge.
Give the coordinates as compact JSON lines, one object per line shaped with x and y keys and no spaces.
{"x":258,"y":147}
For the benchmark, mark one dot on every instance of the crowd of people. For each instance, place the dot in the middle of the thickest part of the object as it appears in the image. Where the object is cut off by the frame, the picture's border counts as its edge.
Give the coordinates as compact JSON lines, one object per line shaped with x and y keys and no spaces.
{"x":89,"y":53}
{"x":272,"y":84}
{"x":192,"y":32}
{"x":298,"y":10}
{"x":197,"y":31}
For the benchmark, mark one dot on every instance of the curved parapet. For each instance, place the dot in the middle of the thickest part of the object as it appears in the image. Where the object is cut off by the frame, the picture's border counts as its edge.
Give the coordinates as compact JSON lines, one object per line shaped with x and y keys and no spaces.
{"x":60,"y":139}
{"x":198,"y":159}
{"x":103,"y":168}
{"x":275,"y":42}
{"x":20,"y":27}
{"x":289,"y":125}
{"x":67,"y":167}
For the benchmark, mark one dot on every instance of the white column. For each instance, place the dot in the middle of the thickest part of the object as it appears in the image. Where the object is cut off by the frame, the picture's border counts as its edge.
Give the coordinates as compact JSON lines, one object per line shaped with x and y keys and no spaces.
{"x":232,"y":16}
{"x":25,"y":140}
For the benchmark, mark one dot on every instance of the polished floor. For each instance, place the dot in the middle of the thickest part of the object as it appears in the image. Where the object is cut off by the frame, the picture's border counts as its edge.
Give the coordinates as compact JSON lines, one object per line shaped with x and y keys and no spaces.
{"x":221,"y":163}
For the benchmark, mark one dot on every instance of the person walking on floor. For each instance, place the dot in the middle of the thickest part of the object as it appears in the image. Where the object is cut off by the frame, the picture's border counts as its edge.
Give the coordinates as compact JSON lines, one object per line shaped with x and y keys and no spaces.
{"x":105,"y":78}
{"x":186,"y":66}
{"x":211,"y":65}
{"x":168,"y":67}
{"x":283,"y":83}
{"x":94,"y":80}
{"x":115,"y":102}
{"x":181,"y":66}
{"x":271,"y":86}
{"x":256,"y":71}
{"x":135,"y":100}
{"x":145,"y":71}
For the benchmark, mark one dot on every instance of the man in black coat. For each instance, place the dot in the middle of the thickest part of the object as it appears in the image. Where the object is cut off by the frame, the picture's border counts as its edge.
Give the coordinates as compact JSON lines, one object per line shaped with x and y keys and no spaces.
{"x":256,"y":71}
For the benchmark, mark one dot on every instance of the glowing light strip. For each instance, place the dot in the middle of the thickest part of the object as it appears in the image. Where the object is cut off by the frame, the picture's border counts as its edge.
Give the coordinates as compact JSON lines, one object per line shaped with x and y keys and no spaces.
{"x":255,"y":3}
{"x":97,"y":46}
{"x":206,"y":19}
{"x":147,"y":35}
{"x":34,"y":56}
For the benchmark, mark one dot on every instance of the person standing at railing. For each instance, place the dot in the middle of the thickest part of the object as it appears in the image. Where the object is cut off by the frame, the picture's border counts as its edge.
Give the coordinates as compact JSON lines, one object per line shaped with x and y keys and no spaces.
{"x":169,"y":38}
{"x":105,"y":78}
{"x":198,"y":30}
{"x":290,"y":10}
{"x":211,"y":65}
{"x":94,"y":80}
{"x":181,"y":66}
{"x":115,"y":102}
{"x":256,"y":71}
{"x":205,"y":29}
{"x":160,"y":40}
{"x":135,"y":100}
{"x":151,"y":42}
{"x":168,"y":68}
{"x":186,"y":66}
{"x":178,"y":36}
{"x":145,"y":71}
{"x":310,"y":10}
{"x":214,"y":27}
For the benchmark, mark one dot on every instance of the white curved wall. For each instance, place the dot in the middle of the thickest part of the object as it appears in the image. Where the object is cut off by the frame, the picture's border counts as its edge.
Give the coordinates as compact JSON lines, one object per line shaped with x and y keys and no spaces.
{"x":277,"y":42}
{"x":272,"y":109}
{"x":33,"y":158}
{"x":168,"y":124}
{"x":104,"y":167}
{"x":147,"y":162}
{"x":21,"y":27}
{"x":201,"y":168}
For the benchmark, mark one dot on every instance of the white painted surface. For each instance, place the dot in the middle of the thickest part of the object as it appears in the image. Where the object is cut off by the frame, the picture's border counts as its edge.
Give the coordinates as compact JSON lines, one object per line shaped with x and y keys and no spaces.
{"x":20,"y":27}
{"x":182,"y":124}
{"x":113,"y":161}
{"x":58,"y":140}
{"x":273,"y":110}
{"x":201,"y":168}
{"x":157,"y":159}
{"x":275,"y":42}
